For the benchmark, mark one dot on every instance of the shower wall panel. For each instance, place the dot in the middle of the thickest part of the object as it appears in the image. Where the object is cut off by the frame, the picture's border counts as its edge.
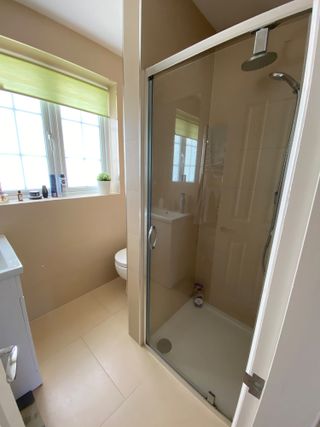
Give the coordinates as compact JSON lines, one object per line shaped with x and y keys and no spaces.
{"x":249,"y":121}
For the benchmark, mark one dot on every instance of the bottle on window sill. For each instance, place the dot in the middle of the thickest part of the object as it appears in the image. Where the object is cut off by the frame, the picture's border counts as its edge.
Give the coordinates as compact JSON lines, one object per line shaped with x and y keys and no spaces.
{"x":20,"y":196}
{"x":63,"y":184}
{"x":53,"y":185}
{"x":4,"y":197}
{"x":45,"y":192}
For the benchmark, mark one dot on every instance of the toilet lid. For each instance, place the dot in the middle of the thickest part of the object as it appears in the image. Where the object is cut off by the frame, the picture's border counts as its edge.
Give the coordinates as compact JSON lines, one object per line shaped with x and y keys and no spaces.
{"x":121,"y":257}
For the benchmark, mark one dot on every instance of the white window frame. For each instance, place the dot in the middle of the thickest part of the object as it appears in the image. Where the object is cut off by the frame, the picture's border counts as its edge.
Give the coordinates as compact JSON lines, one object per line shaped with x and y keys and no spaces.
{"x":182,"y":158}
{"x":52,"y":123}
{"x":54,"y":147}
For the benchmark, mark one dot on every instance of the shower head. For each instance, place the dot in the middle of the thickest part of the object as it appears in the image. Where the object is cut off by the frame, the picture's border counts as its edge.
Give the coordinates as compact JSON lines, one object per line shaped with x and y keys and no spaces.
{"x":258,"y":61}
{"x":295,"y":86}
{"x":260,"y":58}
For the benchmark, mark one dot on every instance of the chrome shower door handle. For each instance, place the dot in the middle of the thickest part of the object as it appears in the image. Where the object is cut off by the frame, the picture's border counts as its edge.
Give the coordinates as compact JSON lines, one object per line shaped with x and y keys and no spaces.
{"x":152,"y":237}
{"x":10,"y":354}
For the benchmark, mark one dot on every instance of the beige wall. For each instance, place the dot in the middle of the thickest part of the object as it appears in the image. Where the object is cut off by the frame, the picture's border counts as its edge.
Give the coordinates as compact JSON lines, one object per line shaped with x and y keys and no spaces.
{"x":169,"y":26}
{"x":66,"y":246}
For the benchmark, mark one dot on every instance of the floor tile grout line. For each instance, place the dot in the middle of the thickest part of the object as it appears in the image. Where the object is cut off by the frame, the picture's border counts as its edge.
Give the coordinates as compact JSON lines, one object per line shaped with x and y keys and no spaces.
{"x":60,"y":307}
{"x":54,"y":354}
{"x":100,"y":364}
{"x":97,"y":300}
{"x":81,"y":337}
{"x":105,"y":308}
{"x":111,"y":314}
{"x":108,"y":317}
{"x":120,"y":406}
{"x":72,"y":341}
{"x":75,"y":299}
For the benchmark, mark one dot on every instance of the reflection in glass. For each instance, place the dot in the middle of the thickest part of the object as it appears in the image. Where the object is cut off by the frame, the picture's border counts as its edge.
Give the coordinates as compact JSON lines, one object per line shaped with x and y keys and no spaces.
{"x":185,"y":147}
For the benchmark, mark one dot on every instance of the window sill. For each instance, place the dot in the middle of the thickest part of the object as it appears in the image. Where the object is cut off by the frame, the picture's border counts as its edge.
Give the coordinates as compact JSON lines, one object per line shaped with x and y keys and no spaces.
{"x":13,"y":201}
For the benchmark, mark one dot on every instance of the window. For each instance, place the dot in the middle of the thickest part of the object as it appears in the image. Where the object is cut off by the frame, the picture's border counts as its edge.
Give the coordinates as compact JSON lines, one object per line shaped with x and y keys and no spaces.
{"x":52,"y":124}
{"x":84,"y":146}
{"x":185,"y":148}
{"x":39,"y":138}
{"x":23,"y":158}
{"x":184,"y":159}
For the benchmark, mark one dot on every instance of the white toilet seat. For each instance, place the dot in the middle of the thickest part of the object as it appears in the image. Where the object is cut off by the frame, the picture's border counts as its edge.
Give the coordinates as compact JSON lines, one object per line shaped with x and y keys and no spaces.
{"x":120,"y":259}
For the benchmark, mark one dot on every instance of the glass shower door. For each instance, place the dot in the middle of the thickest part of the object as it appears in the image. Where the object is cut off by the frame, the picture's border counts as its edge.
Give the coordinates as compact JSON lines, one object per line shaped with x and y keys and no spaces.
{"x":219,"y":138}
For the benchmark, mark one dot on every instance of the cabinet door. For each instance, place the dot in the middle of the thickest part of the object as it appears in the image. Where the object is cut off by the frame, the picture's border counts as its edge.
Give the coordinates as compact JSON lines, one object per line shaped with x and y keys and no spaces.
{"x":9,"y":413}
{"x":15,"y":330}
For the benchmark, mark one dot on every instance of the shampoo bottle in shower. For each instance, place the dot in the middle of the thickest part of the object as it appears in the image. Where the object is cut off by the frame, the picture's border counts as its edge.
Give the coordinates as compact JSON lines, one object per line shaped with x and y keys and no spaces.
{"x":182,"y":203}
{"x":198,"y":295}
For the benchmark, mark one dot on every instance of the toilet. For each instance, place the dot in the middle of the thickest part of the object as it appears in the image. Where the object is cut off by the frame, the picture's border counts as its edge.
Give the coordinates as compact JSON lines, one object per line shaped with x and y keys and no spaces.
{"x":120,"y":261}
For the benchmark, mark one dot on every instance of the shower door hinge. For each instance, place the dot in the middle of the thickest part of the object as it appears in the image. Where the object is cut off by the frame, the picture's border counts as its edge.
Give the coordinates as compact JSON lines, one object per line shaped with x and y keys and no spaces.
{"x":254,"y":383}
{"x":211,"y":398}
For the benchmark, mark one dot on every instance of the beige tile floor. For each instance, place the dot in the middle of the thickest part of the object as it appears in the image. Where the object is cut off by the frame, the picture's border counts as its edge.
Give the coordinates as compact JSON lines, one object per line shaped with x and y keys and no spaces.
{"x":95,"y":375}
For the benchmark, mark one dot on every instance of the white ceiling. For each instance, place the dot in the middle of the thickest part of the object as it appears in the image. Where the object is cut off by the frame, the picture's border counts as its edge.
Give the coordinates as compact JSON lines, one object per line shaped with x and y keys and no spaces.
{"x":98,"y":20}
{"x":101,"y":20}
{"x":224,"y":13}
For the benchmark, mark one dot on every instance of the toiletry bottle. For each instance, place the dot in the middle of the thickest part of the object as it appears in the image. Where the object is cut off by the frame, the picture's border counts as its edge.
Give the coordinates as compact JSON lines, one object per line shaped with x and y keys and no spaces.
{"x":45,"y":192}
{"x":182,"y":202}
{"x":4,"y":197}
{"x":20,"y":196}
{"x":53,"y":185}
{"x":198,"y":295}
{"x":63,"y":184}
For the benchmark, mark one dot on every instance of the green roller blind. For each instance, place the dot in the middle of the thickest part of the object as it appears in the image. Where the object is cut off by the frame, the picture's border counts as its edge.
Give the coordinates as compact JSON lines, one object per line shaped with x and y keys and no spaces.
{"x":26,"y":78}
{"x":186,"y":126}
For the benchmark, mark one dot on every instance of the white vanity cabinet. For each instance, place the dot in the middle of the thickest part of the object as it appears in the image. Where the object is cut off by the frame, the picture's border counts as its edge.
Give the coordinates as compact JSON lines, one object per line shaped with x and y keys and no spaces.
{"x":14,"y":323}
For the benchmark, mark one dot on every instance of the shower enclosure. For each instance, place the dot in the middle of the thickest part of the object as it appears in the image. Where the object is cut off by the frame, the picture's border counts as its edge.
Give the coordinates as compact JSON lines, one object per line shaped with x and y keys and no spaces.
{"x":220,"y":130}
